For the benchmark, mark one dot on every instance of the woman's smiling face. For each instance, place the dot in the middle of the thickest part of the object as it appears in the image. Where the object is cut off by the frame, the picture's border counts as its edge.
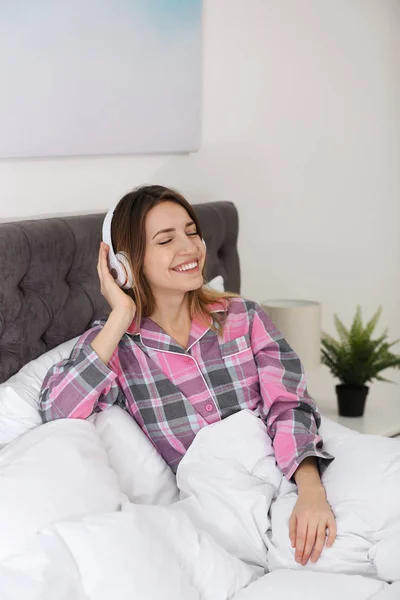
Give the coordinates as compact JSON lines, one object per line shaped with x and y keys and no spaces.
{"x":175,"y":253}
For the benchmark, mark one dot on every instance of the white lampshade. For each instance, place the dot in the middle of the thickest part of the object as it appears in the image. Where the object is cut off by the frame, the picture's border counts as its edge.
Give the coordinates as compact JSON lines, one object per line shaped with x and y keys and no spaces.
{"x":300,"y":323}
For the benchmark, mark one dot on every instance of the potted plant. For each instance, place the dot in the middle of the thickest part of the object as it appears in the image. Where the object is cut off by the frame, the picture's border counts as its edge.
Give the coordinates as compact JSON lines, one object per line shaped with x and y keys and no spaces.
{"x":357,"y":359}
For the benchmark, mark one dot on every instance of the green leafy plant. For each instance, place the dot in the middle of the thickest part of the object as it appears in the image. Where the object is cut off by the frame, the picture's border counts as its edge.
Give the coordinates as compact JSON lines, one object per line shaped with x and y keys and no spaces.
{"x":357,"y":358}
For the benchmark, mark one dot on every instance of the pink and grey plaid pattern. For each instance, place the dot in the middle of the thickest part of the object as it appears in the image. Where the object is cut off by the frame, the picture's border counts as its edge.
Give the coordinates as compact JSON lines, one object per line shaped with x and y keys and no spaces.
{"x":172,"y":392}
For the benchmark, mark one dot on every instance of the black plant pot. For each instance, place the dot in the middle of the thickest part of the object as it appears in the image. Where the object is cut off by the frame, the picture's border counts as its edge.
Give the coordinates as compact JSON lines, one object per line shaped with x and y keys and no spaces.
{"x":351,"y":399}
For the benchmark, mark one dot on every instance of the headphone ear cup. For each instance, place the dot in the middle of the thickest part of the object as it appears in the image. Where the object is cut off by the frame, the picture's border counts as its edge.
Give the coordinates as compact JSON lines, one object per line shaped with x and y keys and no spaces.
{"x":115,"y":267}
{"x":127,"y":282}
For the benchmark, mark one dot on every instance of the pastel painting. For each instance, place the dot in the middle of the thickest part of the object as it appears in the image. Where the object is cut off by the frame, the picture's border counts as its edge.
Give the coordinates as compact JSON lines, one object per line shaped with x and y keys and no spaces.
{"x":87,"y":77}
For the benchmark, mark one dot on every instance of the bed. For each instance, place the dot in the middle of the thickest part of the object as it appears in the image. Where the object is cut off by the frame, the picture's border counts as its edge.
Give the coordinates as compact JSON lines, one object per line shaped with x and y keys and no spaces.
{"x":90,"y":511}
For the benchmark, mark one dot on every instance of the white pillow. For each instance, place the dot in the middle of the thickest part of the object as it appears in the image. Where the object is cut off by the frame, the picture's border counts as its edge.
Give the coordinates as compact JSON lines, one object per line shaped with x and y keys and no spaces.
{"x":145,"y":553}
{"x":19,"y":395}
{"x":56,"y":471}
{"x":143,"y":474}
{"x":45,"y":570}
{"x":217,"y":284}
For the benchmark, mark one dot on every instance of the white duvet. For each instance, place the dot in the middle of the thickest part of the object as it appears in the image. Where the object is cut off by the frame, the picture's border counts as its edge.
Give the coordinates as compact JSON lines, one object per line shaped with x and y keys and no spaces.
{"x":90,"y":511}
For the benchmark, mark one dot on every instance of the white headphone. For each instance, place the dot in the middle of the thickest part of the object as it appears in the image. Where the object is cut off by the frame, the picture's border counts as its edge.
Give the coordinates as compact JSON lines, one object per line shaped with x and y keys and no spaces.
{"x":118,"y":263}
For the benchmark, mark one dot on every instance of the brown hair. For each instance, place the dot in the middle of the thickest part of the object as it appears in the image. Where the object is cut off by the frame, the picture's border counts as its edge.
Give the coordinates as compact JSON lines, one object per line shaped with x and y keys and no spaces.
{"x":128,"y":234}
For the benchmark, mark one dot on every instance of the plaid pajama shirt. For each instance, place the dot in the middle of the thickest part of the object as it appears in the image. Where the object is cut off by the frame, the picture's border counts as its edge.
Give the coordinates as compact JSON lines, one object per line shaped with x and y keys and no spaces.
{"x":172,"y":392}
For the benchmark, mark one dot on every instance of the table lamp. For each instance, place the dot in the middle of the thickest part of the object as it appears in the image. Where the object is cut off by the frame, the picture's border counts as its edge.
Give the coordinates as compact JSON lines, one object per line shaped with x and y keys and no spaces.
{"x":300,"y":323}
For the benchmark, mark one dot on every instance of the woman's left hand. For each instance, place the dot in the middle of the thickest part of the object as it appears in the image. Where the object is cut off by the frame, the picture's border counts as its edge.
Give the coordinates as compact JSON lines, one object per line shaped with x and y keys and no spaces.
{"x":310,"y":519}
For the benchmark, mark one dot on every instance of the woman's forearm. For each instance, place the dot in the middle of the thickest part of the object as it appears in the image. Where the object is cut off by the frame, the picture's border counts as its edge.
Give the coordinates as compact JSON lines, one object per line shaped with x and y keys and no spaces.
{"x":306,"y":475}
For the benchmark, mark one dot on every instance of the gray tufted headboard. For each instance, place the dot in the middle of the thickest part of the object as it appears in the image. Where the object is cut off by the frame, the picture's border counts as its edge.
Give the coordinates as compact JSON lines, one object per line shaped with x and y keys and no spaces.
{"x":49,"y":287}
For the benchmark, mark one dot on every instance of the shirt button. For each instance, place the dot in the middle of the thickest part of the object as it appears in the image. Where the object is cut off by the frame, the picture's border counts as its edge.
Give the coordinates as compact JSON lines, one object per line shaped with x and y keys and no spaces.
{"x":209,"y":407}
{"x":188,"y":360}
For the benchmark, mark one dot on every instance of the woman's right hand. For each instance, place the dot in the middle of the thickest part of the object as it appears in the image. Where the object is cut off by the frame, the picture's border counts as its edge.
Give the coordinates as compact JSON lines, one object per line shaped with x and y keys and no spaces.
{"x":115,"y":296}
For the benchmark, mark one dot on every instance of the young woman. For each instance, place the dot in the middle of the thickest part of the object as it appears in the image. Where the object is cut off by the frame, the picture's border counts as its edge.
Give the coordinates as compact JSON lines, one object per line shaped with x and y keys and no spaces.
{"x":178,"y":356}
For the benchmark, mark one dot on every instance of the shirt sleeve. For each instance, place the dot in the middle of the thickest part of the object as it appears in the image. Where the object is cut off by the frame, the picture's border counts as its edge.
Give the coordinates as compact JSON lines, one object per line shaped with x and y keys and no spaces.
{"x":291,"y":416}
{"x":81,"y":384}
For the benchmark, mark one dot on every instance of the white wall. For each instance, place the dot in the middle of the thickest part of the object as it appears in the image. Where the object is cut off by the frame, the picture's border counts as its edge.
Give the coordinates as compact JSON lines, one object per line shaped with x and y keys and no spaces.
{"x":301,"y":130}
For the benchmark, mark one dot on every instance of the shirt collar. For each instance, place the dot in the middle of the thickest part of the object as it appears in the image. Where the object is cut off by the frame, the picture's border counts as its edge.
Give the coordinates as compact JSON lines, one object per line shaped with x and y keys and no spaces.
{"x":153,"y":336}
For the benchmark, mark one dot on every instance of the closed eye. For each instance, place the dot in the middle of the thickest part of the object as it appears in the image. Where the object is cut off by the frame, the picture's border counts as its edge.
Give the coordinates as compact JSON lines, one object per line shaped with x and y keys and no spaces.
{"x":170,"y":240}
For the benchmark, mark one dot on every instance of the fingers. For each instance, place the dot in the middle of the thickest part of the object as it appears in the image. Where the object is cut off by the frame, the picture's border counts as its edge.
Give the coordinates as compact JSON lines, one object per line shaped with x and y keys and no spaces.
{"x":102,"y":266}
{"x":319,"y":543}
{"x":292,"y":529}
{"x":301,"y":536}
{"x":101,"y":251}
{"x":332,"y":532}
{"x":310,"y":541}
{"x":102,"y":262}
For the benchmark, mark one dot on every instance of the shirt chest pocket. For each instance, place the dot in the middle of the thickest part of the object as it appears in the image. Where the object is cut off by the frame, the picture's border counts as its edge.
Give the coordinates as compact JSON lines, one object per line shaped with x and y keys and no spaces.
{"x":238,"y":358}
{"x":236,"y":346}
